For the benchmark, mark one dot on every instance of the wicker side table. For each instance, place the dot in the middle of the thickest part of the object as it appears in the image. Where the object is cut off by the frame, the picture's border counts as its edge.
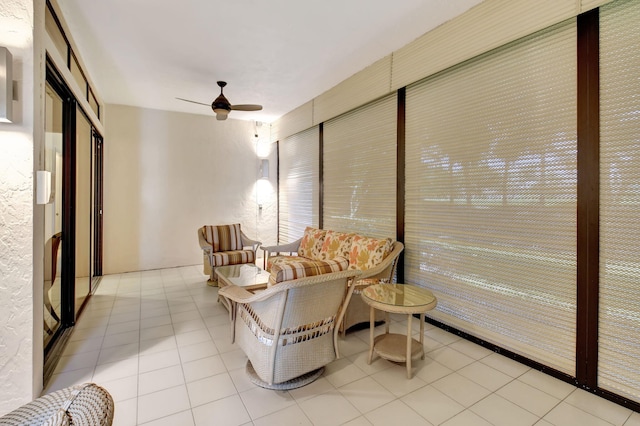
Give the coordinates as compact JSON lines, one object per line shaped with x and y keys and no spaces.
{"x":400,"y":299}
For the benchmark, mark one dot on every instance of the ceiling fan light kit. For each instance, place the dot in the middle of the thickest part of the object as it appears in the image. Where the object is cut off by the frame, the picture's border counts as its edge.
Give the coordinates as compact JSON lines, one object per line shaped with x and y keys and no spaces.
{"x":222,"y":107}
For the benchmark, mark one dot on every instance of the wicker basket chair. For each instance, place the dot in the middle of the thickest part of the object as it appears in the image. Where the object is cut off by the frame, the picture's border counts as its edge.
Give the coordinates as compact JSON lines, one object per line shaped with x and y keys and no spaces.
{"x":289,"y":331}
{"x":82,"y":405}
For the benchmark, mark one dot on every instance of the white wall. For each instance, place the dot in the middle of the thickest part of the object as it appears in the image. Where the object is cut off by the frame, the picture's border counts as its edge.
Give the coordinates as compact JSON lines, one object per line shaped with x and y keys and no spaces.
{"x":21,"y":248}
{"x":167,"y":173}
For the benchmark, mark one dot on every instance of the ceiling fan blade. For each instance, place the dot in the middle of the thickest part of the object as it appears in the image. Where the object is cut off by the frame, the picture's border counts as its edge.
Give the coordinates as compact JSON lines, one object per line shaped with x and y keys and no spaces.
{"x":246,"y":107}
{"x":221,"y":116}
{"x":193,"y":102}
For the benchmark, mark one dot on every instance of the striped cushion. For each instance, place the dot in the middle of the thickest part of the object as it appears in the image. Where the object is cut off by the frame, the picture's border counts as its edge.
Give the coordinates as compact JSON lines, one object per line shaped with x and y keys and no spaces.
{"x":272,"y":260}
{"x":297,"y":267}
{"x":224,"y":237}
{"x":233,"y":257}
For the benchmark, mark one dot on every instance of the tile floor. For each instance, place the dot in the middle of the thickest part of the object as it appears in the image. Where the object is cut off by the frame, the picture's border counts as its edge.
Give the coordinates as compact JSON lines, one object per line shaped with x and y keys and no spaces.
{"x":159,"y":342}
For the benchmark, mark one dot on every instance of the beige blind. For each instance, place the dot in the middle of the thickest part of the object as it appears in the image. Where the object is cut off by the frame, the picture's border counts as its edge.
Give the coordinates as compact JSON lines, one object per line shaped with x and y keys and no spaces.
{"x":360,"y":170}
{"x":619,"y":315}
{"x":299,"y":184}
{"x":491,"y":195}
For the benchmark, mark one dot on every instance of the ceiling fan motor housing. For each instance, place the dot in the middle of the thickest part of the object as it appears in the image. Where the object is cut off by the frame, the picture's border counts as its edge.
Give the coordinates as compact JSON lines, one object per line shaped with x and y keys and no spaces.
{"x":221,"y":104}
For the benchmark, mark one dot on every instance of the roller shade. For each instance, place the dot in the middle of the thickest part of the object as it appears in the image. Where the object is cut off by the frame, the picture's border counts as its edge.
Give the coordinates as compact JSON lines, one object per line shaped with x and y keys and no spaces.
{"x":299,"y":185}
{"x":491,"y":195}
{"x":619,"y":311}
{"x":360,"y":170}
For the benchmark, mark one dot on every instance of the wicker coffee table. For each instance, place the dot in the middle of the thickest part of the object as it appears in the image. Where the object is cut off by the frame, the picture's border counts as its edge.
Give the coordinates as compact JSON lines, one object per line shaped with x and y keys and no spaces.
{"x":400,"y":299}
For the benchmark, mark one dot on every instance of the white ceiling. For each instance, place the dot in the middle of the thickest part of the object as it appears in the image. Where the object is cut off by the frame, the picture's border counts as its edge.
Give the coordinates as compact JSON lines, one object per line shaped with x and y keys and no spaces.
{"x":278,"y":53}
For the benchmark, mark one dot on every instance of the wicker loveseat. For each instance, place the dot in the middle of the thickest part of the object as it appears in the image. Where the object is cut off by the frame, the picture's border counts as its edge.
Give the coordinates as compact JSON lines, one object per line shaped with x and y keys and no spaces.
{"x":323,"y":251}
{"x":289,"y":331}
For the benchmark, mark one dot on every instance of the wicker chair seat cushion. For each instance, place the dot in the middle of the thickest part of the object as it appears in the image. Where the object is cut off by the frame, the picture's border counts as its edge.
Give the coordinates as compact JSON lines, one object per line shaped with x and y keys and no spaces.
{"x":234,"y":257}
{"x":224,"y":237}
{"x":295,"y":267}
{"x":368,"y":252}
{"x":82,"y":405}
{"x":280,"y":258}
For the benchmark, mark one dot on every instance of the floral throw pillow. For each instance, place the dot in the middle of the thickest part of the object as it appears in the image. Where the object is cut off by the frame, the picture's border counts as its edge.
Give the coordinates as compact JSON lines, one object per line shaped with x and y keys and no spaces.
{"x":336,"y":244}
{"x":368,"y":252}
{"x":311,"y":244}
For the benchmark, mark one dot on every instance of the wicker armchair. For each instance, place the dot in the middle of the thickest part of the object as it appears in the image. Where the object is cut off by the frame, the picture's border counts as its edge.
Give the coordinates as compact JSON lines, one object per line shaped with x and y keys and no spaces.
{"x":357,"y":311}
{"x":82,"y":405}
{"x":225,"y":245}
{"x":289,"y":331}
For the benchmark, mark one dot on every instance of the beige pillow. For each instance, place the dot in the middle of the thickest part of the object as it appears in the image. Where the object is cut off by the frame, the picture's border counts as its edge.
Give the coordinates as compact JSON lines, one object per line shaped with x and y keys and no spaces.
{"x":311,"y":244}
{"x":336,"y":244}
{"x":368,"y":252}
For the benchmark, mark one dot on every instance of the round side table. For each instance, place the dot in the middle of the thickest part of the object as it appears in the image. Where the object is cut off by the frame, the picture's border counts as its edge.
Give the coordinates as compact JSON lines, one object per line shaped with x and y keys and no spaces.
{"x":399,"y":299}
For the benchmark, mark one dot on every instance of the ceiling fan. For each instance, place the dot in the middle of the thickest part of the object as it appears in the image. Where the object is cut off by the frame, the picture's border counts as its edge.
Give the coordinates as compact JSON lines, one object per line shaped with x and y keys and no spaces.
{"x":222,"y":107}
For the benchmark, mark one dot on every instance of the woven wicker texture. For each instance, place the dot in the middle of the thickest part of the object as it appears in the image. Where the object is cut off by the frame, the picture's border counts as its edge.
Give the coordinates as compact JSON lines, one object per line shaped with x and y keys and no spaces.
{"x":357,"y":311}
{"x":92,"y":406}
{"x":289,"y":329}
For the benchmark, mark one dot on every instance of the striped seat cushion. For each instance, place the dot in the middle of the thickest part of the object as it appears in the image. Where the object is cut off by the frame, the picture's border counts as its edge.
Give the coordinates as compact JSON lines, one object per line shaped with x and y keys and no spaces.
{"x":272,"y":260}
{"x":224,"y":237}
{"x":233,"y":257}
{"x":298,"y":267}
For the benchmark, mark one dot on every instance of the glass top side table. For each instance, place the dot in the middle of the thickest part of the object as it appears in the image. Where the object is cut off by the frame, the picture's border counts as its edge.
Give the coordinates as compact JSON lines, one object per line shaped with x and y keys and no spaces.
{"x":400,"y":299}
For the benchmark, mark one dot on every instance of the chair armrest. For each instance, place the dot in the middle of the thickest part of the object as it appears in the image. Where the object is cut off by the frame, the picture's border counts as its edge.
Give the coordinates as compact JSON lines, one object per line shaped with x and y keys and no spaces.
{"x":246,"y":241}
{"x":284,"y":248}
{"x":387,"y":267}
{"x":240,"y":295}
{"x":204,"y":245}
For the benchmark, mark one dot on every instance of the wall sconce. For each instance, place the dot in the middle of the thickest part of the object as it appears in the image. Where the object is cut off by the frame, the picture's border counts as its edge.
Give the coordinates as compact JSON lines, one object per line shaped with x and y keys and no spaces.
{"x":6,"y":86}
{"x":264,"y":169}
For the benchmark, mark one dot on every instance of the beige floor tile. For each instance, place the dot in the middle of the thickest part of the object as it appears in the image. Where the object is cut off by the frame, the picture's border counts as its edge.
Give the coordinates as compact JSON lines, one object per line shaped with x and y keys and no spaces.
{"x":162,"y":403}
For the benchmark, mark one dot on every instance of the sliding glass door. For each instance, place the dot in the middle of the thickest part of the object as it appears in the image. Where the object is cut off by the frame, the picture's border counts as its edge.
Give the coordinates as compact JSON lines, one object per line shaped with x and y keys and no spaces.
{"x":73,"y":225}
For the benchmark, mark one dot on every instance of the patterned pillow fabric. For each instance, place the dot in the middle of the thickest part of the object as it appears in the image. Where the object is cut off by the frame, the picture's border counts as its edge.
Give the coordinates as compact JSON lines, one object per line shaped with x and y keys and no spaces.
{"x":311,"y":244}
{"x":368,"y":252}
{"x":298,"y":267}
{"x":336,"y":244}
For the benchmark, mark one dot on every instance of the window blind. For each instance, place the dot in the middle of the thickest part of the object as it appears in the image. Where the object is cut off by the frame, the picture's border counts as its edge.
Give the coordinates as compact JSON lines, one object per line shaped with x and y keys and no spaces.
{"x":299,"y":184}
{"x":619,"y":310}
{"x":360,"y":170}
{"x":491,"y":195}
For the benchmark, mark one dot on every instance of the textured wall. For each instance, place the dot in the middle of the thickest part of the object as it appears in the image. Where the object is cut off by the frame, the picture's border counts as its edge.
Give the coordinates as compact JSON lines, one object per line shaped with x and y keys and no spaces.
{"x":18,"y":353}
{"x":166,"y":174}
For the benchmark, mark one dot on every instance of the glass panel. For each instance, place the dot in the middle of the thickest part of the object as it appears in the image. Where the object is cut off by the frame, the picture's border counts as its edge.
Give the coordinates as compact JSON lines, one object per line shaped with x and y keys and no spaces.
{"x":76,"y":71}
{"x":56,"y":35}
{"x":93,"y":102}
{"x":53,"y":215}
{"x":83,"y":208}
